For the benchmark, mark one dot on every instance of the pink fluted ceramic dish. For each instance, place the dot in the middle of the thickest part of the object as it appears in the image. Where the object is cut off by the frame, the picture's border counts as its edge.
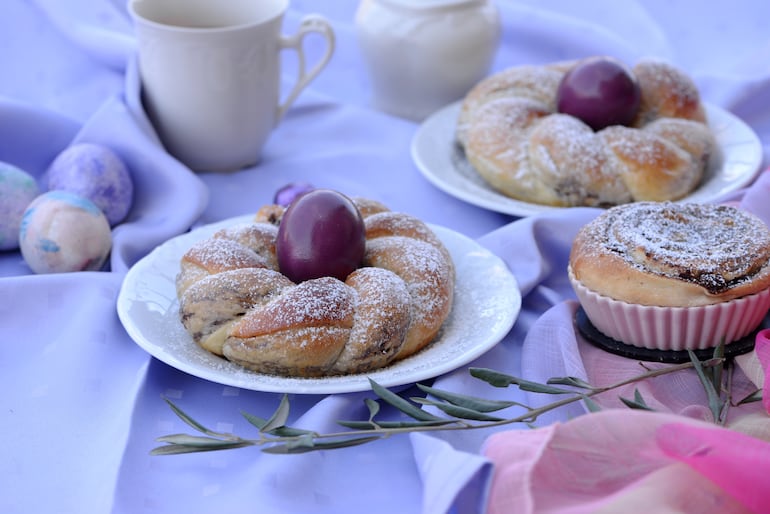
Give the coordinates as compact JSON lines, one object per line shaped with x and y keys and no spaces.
{"x":673,"y":328}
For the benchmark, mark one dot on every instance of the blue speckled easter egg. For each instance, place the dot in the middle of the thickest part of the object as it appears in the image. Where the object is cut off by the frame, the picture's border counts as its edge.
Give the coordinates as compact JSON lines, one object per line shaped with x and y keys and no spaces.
{"x":61,"y":232}
{"x":95,"y":172}
{"x":17,"y":189}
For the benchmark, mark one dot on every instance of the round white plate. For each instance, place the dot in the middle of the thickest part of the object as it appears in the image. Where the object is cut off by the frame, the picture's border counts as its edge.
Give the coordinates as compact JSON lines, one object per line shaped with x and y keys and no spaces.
{"x":443,"y":163}
{"x":486,"y":303}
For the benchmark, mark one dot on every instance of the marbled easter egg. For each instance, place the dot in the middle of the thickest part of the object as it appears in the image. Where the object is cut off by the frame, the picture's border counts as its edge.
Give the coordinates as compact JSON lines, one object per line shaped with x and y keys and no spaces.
{"x":17,"y":189}
{"x":95,"y":172}
{"x":61,"y":232}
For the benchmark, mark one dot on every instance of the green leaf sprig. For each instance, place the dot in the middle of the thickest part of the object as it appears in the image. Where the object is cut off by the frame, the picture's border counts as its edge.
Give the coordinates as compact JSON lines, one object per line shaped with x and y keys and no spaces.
{"x":459,"y":412}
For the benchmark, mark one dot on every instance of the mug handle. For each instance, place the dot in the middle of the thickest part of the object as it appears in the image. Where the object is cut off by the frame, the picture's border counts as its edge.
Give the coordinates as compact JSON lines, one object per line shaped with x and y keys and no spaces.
{"x":311,"y":23}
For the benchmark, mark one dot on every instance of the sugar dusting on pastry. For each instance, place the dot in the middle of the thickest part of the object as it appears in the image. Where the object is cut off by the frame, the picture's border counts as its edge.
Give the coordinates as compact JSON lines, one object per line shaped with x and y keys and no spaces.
{"x":713,"y":246}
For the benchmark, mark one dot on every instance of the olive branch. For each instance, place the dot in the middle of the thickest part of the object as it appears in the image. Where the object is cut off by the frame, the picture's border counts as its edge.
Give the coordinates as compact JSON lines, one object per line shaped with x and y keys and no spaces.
{"x":460,"y":412}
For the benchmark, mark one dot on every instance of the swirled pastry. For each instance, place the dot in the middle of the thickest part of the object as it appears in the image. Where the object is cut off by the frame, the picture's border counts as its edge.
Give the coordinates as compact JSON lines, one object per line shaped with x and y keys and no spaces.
{"x":648,"y":263}
{"x":673,"y":255}
{"x":235,"y":302}
{"x":513,"y":136}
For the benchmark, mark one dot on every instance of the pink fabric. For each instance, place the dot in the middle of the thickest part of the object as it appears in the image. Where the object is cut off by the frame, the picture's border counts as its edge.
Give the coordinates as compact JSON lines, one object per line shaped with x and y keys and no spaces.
{"x":621,"y":460}
{"x":739,"y":464}
{"x":679,"y":393}
{"x":629,"y":461}
{"x":762,"y":350}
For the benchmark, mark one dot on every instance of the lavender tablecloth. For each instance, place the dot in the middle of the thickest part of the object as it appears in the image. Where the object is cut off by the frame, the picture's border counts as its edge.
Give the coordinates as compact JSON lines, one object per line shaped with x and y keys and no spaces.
{"x":82,"y":404}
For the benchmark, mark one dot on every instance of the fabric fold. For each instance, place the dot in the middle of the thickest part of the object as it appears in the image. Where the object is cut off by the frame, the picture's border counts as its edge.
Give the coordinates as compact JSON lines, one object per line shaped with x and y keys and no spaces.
{"x":102,"y":32}
{"x":168,"y":197}
{"x":738,"y":463}
{"x":453,"y":481}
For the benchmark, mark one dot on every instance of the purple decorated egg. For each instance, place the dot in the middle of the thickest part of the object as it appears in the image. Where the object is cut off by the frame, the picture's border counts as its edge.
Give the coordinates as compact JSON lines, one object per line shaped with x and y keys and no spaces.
{"x":17,"y":189}
{"x":322,"y":234}
{"x":286,"y":195}
{"x":62,"y":232}
{"x":599,"y":91}
{"x":95,"y":172}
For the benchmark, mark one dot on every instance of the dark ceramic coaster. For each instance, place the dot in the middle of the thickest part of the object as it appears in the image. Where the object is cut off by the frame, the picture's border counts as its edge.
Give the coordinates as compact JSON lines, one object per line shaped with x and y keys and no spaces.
{"x":596,"y":338}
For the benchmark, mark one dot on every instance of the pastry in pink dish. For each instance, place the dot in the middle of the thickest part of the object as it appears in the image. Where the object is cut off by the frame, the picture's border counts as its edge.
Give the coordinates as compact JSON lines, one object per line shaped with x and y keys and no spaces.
{"x":673,"y":276}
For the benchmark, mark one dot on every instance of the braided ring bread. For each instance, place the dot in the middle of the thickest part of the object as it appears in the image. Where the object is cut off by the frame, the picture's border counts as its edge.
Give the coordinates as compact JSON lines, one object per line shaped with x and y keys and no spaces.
{"x":520,"y":145}
{"x":235,"y":303}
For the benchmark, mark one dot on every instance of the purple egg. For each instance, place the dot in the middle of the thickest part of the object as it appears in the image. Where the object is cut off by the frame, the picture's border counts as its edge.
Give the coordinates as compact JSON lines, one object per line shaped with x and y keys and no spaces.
{"x":95,"y":172}
{"x":322,"y":234}
{"x":286,"y":195}
{"x":601,"y":92}
{"x":17,"y":190}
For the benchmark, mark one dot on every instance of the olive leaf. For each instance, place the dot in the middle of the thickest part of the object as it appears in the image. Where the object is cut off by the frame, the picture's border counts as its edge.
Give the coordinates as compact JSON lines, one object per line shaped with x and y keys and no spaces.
{"x":469,"y":402}
{"x":177,"y":445}
{"x":570,"y":381}
{"x":290,"y":448}
{"x":637,"y":403}
{"x":373,"y":407}
{"x":457,"y":411}
{"x":189,"y":420}
{"x":498,"y":379}
{"x":279,"y":417}
{"x":386,"y":425}
{"x":714,"y":400}
{"x":276,"y":425}
{"x":591,"y":404}
{"x":401,"y":404}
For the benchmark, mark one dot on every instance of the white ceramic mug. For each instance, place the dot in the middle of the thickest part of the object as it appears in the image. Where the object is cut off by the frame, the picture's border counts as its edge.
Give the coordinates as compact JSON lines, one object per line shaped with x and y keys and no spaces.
{"x":210,"y":73}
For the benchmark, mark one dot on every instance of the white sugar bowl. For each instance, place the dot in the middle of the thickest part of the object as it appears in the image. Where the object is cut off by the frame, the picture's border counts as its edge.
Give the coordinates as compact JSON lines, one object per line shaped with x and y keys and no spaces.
{"x":424,"y":54}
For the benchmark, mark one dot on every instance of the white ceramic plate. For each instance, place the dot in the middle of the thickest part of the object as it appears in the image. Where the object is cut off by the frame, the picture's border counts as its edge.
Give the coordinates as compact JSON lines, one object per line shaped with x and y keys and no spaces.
{"x":486,"y":303}
{"x":443,"y":163}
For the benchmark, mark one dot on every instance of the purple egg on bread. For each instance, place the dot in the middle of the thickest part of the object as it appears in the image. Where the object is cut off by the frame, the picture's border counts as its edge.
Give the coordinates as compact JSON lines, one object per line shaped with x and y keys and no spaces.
{"x":62,"y":232}
{"x":95,"y":172}
{"x":17,"y":189}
